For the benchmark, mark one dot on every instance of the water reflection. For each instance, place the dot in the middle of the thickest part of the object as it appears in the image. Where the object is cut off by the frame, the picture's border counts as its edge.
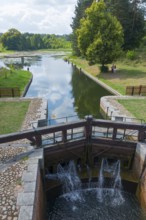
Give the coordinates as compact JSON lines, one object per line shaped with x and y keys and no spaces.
{"x":86,"y":94}
{"x":67,"y":91}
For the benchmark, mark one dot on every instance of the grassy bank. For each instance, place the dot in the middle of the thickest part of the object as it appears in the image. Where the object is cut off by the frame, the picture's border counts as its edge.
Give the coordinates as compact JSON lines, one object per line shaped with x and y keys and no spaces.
{"x":12,"y":115}
{"x":136,"y":107}
{"x":129,"y":73}
{"x":14,"y":78}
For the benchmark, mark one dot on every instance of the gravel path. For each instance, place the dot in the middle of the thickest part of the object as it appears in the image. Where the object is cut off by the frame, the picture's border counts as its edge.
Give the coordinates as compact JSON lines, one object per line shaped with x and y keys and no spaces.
{"x":13,"y":161}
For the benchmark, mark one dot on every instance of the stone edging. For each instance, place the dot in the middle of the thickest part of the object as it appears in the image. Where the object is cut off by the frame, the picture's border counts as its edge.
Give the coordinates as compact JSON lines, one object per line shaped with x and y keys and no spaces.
{"x":27,"y":86}
{"x":26,"y":200}
{"x":110,"y":108}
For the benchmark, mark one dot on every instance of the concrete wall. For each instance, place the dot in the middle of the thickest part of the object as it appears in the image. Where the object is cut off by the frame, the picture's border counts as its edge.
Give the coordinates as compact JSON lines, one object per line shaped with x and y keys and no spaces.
{"x":111,"y":109}
{"x":39,"y":205}
{"x":139,"y":169}
{"x":30,"y":201}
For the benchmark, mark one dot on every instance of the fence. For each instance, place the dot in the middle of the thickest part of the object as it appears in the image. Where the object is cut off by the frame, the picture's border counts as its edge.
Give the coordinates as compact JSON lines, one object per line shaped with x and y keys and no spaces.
{"x":82,"y":129}
{"x":9,"y":92}
{"x":136,"y":90}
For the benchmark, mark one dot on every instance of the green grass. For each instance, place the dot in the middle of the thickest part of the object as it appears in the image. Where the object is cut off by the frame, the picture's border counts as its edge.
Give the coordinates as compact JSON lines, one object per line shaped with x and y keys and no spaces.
{"x":136,"y":106}
{"x":129,"y":73}
{"x":12,"y":115}
{"x":14,"y":78}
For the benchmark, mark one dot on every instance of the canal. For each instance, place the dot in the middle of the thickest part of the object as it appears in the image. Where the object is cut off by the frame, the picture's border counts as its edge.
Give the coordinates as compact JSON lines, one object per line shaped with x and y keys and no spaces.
{"x":69,"y":93}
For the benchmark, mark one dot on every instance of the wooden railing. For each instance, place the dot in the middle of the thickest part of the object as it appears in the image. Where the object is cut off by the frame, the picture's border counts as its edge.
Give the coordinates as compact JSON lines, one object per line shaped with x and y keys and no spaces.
{"x":136,"y":90}
{"x":9,"y":92}
{"x":88,"y":129}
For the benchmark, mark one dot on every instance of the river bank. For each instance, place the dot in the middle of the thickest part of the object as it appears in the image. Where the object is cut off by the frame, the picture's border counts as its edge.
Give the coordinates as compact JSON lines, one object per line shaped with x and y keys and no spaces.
{"x":116,"y":84}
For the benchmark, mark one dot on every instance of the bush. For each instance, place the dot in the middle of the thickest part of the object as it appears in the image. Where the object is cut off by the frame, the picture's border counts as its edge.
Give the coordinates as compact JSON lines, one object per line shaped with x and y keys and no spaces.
{"x":130,"y":55}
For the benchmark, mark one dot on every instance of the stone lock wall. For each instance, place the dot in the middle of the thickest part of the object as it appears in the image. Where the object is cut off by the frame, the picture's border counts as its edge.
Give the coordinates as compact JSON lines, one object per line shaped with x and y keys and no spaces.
{"x":39,"y":205}
{"x":30,"y":201}
{"x":139,"y":169}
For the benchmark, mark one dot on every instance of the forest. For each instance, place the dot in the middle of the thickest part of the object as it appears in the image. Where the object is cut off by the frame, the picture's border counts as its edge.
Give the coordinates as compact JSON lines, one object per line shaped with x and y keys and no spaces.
{"x":15,"y":40}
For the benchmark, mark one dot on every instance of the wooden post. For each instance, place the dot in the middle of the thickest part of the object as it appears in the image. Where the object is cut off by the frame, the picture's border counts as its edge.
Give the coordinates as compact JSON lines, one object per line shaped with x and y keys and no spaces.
{"x":64,"y":136}
{"x":140,"y":87}
{"x":114,"y":133}
{"x":88,"y":128}
{"x":132,"y":93}
{"x":12,"y":92}
{"x":141,"y":135}
{"x":38,"y":139}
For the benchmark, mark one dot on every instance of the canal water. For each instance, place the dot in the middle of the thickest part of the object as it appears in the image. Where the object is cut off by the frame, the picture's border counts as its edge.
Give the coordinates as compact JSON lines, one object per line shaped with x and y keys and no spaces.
{"x":69,"y":93}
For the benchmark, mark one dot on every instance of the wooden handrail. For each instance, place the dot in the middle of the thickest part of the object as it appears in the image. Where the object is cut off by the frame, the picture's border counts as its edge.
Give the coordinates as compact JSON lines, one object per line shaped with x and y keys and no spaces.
{"x":35,"y":135}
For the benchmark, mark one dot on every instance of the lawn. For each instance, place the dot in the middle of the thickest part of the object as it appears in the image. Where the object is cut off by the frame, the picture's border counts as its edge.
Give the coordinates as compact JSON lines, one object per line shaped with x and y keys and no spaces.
{"x":129,"y":73}
{"x":14,"y":78}
{"x":12,"y":115}
{"x":136,"y":106}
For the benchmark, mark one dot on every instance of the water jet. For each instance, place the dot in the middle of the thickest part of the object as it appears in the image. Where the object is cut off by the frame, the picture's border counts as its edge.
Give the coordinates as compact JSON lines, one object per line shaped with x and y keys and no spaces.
{"x":105,"y":199}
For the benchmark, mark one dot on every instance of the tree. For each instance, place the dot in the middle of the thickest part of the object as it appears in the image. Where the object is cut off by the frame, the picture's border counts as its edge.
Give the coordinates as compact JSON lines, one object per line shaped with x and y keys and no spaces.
{"x":100,"y":35}
{"x":36,"y":41}
{"x":79,"y":13}
{"x":131,"y":16}
{"x":12,"y":39}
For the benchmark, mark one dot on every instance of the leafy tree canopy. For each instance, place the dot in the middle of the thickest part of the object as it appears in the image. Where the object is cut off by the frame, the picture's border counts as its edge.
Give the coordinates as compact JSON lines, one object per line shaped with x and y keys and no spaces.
{"x":130,"y":13}
{"x":11,"y":39}
{"x":100,"y":35}
{"x":14,"y":40}
{"x":80,"y":8}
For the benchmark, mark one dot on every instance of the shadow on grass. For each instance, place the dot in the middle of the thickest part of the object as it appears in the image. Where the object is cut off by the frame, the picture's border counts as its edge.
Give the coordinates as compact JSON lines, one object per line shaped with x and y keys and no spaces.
{"x":123,"y":74}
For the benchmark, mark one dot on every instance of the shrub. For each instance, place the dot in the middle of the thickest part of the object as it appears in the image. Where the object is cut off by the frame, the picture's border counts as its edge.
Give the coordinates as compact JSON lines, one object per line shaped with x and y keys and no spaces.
{"x":130,"y":55}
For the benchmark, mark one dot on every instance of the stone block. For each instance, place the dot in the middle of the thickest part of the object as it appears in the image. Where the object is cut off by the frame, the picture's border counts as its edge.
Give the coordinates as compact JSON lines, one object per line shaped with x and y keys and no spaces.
{"x":26,"y":213}
{"x":32,"y":161}
{"x":30,"y":187}
{"x":141,"y":150}
{"x":29,"y":177}
{"x":32,"y":168}
{"x":25,"y":199}
{"x":38,"y":154}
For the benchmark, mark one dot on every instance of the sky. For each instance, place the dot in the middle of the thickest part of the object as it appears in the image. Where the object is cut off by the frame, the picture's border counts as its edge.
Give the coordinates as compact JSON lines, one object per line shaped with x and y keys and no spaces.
{"x":37,"y":16}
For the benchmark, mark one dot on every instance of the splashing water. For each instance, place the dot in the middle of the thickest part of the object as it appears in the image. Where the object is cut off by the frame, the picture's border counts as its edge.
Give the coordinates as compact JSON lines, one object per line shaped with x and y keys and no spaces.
{"x":116,"y":185}
{"x":100,"y":183}
{"x":89,"y":176}
{"x":78,"y":204}
{"x":70,"y":180}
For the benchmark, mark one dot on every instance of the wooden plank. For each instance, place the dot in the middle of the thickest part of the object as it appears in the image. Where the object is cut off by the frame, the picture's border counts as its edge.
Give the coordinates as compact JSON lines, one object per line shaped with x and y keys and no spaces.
{"x":9,"y":92}
{"x":136,"y":90}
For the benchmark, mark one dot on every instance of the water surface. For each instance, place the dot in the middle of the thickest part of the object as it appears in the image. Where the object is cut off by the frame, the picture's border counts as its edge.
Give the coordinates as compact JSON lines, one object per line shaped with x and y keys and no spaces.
{"x":68,"y":92}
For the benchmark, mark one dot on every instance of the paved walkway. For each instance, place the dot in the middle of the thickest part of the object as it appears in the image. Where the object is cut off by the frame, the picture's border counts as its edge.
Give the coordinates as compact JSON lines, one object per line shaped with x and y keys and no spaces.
{"x":13,"y":161}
